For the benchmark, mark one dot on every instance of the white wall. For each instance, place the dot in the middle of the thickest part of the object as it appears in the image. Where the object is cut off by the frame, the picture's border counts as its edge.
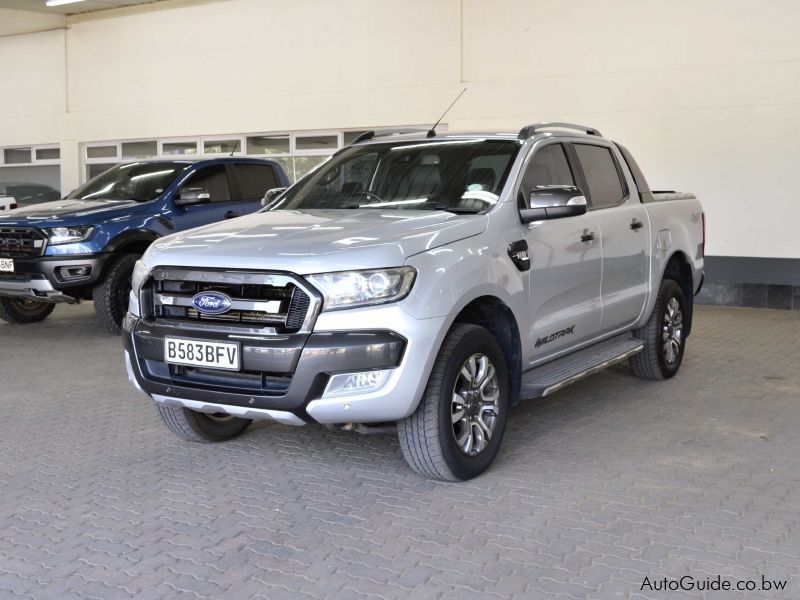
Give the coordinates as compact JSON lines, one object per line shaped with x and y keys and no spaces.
{"x":705,"y":93}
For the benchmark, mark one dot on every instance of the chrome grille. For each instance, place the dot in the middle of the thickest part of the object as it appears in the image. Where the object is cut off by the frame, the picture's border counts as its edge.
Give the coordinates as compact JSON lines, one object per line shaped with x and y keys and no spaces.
{"x":257,"y":300}
{"x":21,"y":243}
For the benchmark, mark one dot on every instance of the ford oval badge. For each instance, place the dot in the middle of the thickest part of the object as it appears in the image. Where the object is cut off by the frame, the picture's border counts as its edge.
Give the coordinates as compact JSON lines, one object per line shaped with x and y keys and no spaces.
{"x":212,"y":303}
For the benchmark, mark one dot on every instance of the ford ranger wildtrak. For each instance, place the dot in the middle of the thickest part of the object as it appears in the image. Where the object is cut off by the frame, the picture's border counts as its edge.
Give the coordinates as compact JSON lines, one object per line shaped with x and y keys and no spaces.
{"x":424,"y":283}
{"x":85,"y":246}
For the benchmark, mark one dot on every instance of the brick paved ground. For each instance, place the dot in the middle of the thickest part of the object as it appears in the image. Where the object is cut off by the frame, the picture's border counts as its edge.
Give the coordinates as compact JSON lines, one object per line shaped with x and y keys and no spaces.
{"x":598,"y":486}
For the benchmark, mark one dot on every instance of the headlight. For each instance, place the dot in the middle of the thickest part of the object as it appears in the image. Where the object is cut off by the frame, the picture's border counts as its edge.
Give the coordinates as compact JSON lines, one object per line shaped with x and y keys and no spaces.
{"x":348,"y":289}
{"x":68,"y":235}
{"x":140,"y":272}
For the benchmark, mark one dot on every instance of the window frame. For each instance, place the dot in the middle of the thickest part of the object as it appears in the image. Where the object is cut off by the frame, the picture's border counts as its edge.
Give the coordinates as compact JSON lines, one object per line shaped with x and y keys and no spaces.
{"x":234,"y":190}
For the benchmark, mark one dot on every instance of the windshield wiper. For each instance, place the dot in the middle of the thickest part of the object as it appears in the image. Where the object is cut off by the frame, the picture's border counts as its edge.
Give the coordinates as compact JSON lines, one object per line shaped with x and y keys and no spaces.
{"x":458,"y":210}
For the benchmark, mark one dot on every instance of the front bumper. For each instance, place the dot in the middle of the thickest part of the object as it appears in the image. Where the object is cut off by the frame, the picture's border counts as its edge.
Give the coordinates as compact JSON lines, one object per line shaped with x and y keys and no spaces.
{"x":280,"y":376}
{"x":51,"y":279}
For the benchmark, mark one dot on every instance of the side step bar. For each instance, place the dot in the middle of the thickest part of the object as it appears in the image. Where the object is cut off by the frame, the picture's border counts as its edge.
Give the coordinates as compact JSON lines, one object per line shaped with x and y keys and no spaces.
{"x":550,"y":377}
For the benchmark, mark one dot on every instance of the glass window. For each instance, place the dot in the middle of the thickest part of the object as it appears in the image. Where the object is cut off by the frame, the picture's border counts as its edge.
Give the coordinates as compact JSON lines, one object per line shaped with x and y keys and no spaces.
{"x":350,"y":136}
{"x":287,"y":164}
{"x":256,"y":180}
{"x":221,"y":146}
{"x":316,"y":142}
{"x":101,"y":152}
{"x":173,"y":148}
{"x":431,"y":175}
{"x":268,"y":144}
{"x":17,"y":156}
{"x":134,"y":181}
{"x":139,"y":149}
{"x":31,"y":184}
{"x":548,"y":166}
{"x":602,"y":177}
{"x":94,"y":170}
{"x":48,"y":153}
{"x":213,"y":180}
{"x":303,"y":164}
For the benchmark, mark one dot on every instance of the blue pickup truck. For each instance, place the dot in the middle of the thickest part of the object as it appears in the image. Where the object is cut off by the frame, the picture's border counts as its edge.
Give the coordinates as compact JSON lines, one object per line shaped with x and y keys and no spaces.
{"x":85,"y":246}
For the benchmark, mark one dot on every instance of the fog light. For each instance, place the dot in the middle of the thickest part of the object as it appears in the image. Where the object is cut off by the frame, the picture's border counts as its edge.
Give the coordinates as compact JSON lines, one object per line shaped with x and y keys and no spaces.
{"x":72,"y":272}
{"x":347,"y":384}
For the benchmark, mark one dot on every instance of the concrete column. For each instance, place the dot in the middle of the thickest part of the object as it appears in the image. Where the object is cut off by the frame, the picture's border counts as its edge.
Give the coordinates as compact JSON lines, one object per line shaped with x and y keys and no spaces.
{"x":70,"y":166}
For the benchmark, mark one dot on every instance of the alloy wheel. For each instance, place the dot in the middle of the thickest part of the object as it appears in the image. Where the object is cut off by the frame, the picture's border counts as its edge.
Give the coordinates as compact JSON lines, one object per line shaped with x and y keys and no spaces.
{"x":475,"y":404}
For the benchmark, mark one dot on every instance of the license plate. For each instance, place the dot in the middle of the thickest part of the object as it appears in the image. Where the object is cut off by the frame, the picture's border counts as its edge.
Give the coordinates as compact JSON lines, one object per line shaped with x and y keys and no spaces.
{"x":6,"y":265}
{"x":198,"y":353}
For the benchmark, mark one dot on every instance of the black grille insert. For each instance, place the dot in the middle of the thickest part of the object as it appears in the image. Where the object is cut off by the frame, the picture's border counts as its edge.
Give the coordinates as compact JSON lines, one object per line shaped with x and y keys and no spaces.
{"x":21,"y":243}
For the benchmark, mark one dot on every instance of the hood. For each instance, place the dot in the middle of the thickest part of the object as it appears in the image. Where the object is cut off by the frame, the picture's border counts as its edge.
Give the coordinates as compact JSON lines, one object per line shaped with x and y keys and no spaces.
{"x":70,"y":212}
{"x":315,"y":241}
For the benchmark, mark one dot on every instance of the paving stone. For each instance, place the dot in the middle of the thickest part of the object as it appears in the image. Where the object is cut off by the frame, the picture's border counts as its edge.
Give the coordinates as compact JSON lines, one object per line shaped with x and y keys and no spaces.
{"x":606,"y":482}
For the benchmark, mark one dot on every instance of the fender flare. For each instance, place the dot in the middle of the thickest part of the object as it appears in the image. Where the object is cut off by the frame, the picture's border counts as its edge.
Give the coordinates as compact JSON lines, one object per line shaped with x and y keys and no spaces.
{"x":130,"y":237}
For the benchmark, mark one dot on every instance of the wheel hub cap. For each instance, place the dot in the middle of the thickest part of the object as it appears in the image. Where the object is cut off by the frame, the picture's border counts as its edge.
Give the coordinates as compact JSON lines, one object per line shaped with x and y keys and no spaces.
{"x":475,"y":404}
{"x":672,"y":331}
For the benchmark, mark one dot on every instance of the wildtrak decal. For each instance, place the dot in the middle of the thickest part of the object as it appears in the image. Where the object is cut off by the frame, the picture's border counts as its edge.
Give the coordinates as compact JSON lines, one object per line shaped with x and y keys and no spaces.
{"x":554,"y":336}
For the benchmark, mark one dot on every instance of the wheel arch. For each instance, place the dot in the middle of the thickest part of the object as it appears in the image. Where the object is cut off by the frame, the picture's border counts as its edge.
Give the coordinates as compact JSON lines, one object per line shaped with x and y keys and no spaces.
{"x":134,"y":242}
{"x":497,"y":317}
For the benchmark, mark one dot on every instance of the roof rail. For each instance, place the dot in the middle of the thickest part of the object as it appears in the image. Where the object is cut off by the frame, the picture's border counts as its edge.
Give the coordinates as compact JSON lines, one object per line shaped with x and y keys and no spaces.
{"x":529,"y":130}
{"x":368,"y":135}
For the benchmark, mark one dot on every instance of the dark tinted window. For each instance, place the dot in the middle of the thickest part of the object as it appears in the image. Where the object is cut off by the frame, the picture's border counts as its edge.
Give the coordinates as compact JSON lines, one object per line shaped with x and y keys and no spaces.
{"x":213,"y":180}
{"x":256,"y":180}
{"x":602,"y":177}
{"x":549,"y":166}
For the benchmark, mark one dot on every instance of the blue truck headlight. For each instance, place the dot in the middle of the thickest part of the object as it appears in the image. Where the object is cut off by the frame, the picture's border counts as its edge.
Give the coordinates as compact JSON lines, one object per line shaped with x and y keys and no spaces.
{"x":349,"y":289}
{"x":68,"y":235}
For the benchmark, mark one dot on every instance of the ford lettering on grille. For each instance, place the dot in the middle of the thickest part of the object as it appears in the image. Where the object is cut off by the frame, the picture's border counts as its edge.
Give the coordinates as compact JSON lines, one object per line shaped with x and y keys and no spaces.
{"x":212,"y":303}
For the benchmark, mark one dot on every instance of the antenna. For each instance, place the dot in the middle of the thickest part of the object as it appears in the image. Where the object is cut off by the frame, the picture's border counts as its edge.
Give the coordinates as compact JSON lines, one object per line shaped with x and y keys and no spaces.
{"x":432,"y":130}
{"x":236,"y":147}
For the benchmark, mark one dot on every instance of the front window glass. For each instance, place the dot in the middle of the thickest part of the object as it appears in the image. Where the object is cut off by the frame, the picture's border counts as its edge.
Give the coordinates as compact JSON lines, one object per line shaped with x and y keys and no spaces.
{"x":457,"y":175}
{"x":134,"y":181}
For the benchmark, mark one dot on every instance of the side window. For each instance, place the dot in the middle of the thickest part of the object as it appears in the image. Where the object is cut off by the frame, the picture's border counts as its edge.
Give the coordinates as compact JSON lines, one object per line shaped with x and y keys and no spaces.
{"x":548,"y":166}
{"x":602,"y":176}
{"x":213,"y":180}
{"x":256,"y":180}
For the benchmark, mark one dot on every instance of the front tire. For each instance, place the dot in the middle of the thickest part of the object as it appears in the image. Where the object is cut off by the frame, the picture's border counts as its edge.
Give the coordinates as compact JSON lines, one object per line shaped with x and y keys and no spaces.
{"x":663,"y":335}
{"x":111,"y":296}
{"x":22,"y":310}
{"x":456,"y":431}
{"x":201,"y":427}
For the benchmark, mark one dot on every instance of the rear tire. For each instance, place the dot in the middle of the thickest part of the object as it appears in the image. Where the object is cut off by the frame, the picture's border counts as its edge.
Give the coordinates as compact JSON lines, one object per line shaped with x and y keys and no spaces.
{"x":19,"y":310}
{"x":201,"y":427}
{"x":111,"y":295}
{"x":456,"y":431}
{"x":663,"y":335}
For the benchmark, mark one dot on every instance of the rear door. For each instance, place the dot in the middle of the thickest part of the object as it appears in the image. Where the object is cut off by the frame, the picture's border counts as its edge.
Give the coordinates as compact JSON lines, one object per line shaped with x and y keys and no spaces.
{"x":254,"y":181}
{"x":223,"y":202}
{"x":566,"y":262}
{"x":624,"y":231}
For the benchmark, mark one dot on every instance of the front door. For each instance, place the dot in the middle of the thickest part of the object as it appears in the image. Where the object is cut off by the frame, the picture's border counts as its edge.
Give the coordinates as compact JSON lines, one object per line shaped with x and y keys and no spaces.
{"x":221,"y":203}
{"x":566,"y":263}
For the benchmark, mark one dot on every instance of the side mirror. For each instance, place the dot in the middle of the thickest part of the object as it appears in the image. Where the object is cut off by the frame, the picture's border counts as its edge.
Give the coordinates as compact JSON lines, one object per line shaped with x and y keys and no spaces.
{"x":553,"y":202}
{"x":189,"y":196}
{"x":271,"y":196}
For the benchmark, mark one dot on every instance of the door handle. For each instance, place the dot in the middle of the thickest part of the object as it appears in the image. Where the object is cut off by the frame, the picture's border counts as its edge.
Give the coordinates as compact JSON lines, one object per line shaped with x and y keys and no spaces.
{"x":636,"y":224}
{"x":587,"y":236}
{"x":231,"y":214}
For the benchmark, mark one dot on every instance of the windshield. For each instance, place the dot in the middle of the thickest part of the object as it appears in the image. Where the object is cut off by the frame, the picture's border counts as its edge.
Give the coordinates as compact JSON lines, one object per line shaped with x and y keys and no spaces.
{"x":456,"y":175}
{"x":135,"y":181}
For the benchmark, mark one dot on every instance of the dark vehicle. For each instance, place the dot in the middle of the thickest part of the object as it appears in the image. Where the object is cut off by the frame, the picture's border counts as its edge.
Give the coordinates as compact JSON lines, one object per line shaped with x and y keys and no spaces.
{"x":15,"y":195}
{"x":84,"y":246}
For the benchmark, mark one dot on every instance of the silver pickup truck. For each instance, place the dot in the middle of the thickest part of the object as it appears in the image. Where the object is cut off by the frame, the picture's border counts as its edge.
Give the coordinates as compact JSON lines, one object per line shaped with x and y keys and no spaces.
{"x":419,"y":282}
